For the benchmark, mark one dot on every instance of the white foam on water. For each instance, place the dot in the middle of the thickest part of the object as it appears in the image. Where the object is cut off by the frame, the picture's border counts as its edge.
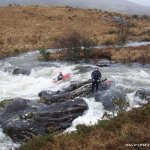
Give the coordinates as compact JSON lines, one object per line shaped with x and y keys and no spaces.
{"x":144,"y":74}
{"x":22,"y":86}
{"x":136,"y":44}
{"x":29,"y":86}
{"x":91,"y":116}
{"x":6,"y":143}
{"x":133,"y":78}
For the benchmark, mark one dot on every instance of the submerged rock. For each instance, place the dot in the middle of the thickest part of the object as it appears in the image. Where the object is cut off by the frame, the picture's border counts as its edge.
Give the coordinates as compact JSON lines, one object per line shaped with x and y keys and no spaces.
{"x":103,"y":65}
{"x":141,"y":97}
{"x":108,"y":98}
{"x":22,"y":119}
{"x":18,"y":71}
{"x":142,"y":94}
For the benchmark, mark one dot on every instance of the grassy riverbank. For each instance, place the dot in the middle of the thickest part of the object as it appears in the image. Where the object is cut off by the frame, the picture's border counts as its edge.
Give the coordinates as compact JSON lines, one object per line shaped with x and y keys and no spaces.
{"x":127,"y":128}
{"x":24,"y":28}
{"x":139,"y":54}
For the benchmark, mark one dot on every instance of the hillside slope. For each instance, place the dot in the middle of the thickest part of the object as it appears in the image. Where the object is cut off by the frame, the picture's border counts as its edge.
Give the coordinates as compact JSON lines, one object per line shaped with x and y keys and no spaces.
{"x":111,"y":5}
{"x":25,"y":28}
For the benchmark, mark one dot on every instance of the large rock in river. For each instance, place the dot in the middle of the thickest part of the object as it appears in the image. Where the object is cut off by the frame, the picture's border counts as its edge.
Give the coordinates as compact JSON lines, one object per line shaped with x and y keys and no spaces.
{"x":18,"y":71}
{"x":48,"y":97}
{"x":82,"y":89}
{"x":22,"y":119}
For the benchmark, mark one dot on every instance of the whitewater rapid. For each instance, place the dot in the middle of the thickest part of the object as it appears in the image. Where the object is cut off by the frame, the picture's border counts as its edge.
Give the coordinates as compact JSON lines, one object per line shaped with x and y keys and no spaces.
{"x":125,"y":78}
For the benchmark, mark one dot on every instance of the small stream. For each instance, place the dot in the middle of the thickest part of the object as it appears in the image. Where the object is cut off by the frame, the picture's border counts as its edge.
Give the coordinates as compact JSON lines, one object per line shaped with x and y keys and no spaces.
{"x":126,"y":80}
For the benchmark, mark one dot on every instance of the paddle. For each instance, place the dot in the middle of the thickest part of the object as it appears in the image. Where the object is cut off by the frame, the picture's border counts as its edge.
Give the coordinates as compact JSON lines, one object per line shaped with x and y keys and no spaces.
{"x":104,"y":80}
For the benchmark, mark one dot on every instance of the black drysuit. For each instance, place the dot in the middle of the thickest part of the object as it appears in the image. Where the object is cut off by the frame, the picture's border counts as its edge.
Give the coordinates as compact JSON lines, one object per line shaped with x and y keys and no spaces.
{"x":60,"y":77}
{"x":96,"y":76}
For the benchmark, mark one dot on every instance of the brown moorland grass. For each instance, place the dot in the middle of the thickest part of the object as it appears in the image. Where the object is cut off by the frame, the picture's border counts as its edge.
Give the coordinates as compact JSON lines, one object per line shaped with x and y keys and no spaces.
{"x":127,"y":128}
{"x":24,"y":28}
{"x":139,"y":54}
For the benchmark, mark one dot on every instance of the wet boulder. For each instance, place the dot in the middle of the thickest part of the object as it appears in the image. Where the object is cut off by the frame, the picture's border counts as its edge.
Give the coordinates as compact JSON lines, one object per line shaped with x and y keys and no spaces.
{"x":76,"y":89}
{"x":142,"y":94}
{"x":76,"y":85}
{"x":18,"y":71}
{"x":103,"y":65}
{"x":12,"y":108}
{"x":49,"y":98}
{"x":27,"y":119}
{"x":17,"y":104}
{"x":107,"y":98}
{"x":46,"y":93}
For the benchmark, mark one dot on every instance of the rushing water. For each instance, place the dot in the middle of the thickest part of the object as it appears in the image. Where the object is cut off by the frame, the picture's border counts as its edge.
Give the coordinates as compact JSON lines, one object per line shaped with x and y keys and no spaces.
{"x":126,"y":81}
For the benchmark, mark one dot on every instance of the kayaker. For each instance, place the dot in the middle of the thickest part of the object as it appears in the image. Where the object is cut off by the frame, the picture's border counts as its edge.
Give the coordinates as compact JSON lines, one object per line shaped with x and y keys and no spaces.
{"x":60,"y":76}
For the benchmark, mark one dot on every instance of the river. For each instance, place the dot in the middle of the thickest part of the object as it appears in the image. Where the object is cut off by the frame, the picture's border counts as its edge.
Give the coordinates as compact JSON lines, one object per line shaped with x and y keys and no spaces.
{"x":126,"y":80}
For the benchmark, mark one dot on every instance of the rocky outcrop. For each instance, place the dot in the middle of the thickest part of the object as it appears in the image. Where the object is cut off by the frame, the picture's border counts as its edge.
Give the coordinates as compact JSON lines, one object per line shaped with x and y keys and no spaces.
{"x":107,"y":98}
{"x":75,"y":89}
{"x":142,"y":94}
{"x":18,"y":71}
{"x":22,"y":119}
{"x":103,"y":65}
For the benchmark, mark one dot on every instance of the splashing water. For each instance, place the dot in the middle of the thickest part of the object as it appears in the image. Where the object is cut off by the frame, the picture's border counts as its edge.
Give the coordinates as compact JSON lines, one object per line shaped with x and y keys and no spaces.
{"x":127,"y":79}
{"x":9,"y":145}
{"x":91,"y":116}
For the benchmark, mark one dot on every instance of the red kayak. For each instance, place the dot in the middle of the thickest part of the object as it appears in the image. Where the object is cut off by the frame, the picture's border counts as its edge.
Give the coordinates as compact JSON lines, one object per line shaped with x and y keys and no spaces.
{"x":108,"y":83}
{"x":65,"y":77}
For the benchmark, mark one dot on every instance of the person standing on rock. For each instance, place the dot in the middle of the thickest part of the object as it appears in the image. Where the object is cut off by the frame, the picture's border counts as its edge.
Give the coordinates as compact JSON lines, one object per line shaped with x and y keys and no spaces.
{"x":96,"y":77}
